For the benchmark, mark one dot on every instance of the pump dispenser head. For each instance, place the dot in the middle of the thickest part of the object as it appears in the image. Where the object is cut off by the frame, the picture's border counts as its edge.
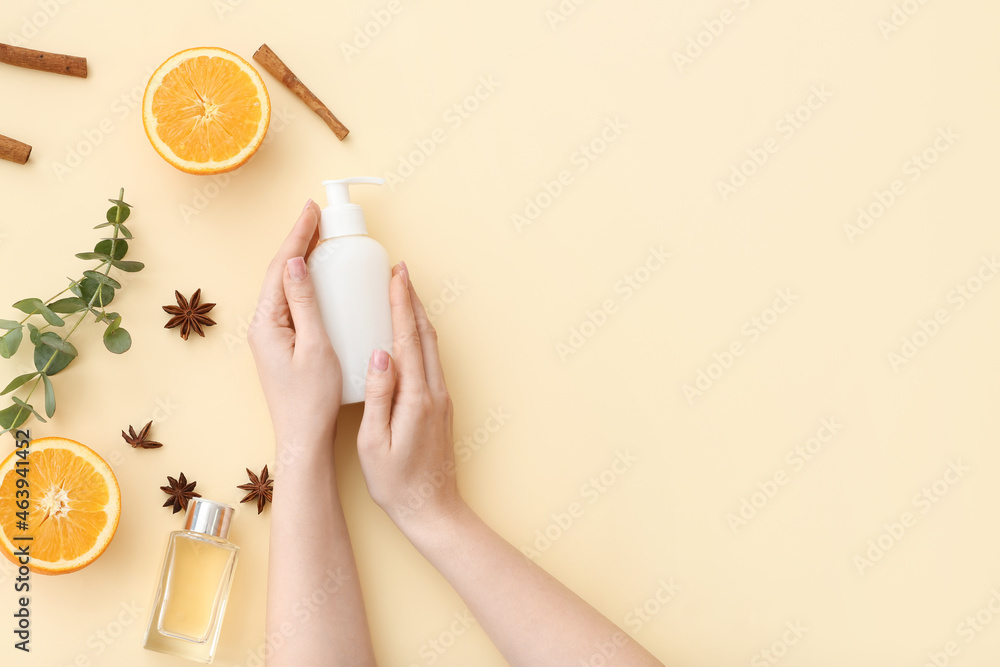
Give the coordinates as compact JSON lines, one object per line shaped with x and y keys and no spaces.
{"x":341,"y":217}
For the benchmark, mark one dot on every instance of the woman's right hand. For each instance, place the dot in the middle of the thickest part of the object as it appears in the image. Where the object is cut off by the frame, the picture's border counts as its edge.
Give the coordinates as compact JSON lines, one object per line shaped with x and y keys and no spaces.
{"x":405,"y":441}
{"x":408,"y":459}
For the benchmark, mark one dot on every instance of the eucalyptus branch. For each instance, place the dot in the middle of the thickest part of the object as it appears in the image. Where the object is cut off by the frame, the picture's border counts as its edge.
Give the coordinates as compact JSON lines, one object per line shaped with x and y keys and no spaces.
{"x":92,"y":294}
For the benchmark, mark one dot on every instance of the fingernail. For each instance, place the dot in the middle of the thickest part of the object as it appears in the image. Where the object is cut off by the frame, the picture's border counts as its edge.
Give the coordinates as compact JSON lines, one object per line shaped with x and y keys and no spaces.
{"x":297,"y":269}
{"x":380,"y":360}
{"x":308,"y":202}
{"x":405,"y":273}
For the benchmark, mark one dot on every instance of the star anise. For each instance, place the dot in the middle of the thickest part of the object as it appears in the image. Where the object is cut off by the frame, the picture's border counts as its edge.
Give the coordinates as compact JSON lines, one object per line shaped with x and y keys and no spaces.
{"x":189,"y":315}
{"x":141,"y":440}
{"x":180,"y":491}
{"x":260,"y":488}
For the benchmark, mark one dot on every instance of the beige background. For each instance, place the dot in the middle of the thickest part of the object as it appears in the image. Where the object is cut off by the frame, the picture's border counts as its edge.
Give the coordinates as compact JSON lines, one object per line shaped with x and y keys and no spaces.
{"x":666,"y":518}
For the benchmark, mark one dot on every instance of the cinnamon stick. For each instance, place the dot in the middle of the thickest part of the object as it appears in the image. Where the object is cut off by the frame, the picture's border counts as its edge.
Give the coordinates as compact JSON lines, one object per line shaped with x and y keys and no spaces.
{"x":14,"y":150}
{"x":43,"y":61}
{"x":272,"y":63}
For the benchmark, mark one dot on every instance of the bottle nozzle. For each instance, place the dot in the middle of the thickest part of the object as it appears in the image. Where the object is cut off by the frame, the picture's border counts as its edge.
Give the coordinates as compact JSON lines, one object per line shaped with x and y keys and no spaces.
{"x":341,"y":217}
{"x":338,"y":193}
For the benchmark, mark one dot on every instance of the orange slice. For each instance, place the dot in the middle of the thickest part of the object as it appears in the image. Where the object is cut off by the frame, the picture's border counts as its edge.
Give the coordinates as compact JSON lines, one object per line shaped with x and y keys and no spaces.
{"x":206,"y":110}
{"x":74,"y":505}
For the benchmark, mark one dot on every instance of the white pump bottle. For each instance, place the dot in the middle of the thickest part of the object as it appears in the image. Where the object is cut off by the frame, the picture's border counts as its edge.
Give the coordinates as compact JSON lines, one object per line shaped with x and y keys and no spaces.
{"x":351,"y":273}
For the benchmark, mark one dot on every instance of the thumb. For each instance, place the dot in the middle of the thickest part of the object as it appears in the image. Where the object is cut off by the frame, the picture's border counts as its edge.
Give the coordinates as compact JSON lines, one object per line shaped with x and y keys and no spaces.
{"x":379,"y":387}
{"x":301,"y":296}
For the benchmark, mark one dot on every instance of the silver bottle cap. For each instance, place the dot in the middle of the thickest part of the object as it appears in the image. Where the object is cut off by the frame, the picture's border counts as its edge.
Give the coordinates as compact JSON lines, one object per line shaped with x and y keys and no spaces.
{"x":209,"y":517}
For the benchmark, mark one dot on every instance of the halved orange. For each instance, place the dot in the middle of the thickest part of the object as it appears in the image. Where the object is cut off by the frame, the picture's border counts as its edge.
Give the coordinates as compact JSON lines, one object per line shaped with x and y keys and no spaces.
{"x":206,"y":110}
{"x":74,"y":504}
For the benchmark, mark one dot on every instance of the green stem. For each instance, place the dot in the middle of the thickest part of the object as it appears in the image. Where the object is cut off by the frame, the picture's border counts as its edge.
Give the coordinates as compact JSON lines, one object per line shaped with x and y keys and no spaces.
{"x":114,"y":243}
{"x":90,"y":305}
{"x":118,"y":221}
{"x":55,"y":352}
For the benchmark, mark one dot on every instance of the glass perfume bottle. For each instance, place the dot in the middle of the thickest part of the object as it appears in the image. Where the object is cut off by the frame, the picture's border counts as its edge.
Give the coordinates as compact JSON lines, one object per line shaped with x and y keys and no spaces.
{"x":194,"y":586}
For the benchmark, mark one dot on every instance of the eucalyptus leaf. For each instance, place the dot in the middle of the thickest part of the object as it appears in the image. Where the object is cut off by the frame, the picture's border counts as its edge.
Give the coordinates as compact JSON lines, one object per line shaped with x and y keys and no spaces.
{"x":105,"y":294}
{"x":114,"y":321}
{"x":9,"y":324}
{"x":29,"y":306}
{"x":104,"y":247}
{"x":9,"y":343}
{"x":51,"y":360}
{"x":117,"y":341}
{"x":104,"y":224}
{"x":70,"y":304}
{"x":33,"y":333}
{"x":27,"y":406}
{"x":14,"y":416}
{"x":103,"y":279}
{"x":103,"y":257}
{"x":50,"y":396}
{"x":51,"y":317}
{"x":32,"y":306}
{"x":128,"y":266}
{"x":52,"y":339}
{"x":118,"y":213}
{"x":108,"y":316}
{"x":52,"y":354}
{"x":17,"y":382}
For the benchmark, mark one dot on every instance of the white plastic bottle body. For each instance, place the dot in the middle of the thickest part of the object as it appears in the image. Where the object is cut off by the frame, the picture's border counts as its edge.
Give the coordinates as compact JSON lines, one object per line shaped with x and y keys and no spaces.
{"x":351,"y":275}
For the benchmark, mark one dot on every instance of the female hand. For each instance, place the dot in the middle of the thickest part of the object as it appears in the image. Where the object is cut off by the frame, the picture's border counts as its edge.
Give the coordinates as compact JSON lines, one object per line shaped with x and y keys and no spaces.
{"x":405,"y":442}
{"x":299,"y":371}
